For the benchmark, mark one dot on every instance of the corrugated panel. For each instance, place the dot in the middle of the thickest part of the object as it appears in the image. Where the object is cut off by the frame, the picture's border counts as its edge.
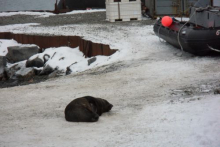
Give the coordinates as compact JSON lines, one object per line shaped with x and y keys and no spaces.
{"x":37,"y":41}
{"x":73,"y":41}
{"x":106,"y":50}
{"x":168,"y":7}
{"x":187,"y":5}
{"x":63,"y":41}
{"x":30,"y":39}
{"x":45,"y":42}
{"x":54,"y":41}
{"x":15,"y":36}
{"x":20,"y":38}
{"x":2,"y":35}
{"x":85,"y":47}
{"x":25,"y":39}
{"x":80,"y":45}
{"x":89,"y":50}
{"x":96,"y":49}
{"x":5,"y":35}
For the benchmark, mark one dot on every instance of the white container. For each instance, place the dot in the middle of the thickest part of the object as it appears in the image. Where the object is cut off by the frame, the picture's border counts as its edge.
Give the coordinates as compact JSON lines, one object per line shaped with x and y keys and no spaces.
{"x":130,"y":10}
{"x":112,"y":11}
{"x":125,"y":10}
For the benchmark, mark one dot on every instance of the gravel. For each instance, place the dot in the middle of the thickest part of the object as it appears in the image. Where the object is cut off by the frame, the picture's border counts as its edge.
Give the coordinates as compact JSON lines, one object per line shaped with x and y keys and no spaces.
{"x":59,"y":20}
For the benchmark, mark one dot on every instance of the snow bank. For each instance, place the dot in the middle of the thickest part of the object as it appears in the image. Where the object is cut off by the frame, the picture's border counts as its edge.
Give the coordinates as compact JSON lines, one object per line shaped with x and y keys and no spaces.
{"x":63,"y":57}
{"x":4,"y":44}
{"x":85,"y":11}
{"x":15,"y":27}
{"x":42,"y":14}
{"x":47,"y":14}
{"x":60,"y":58}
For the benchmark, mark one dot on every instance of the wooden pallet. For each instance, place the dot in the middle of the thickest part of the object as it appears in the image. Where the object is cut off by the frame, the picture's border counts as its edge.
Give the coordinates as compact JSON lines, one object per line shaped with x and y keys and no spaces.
{"x":124,"y":19}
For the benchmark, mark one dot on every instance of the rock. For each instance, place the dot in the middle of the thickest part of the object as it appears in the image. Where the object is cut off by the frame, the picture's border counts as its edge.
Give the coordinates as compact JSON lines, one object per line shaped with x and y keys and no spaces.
{"x":90,"y":61}
{"x":25,"y":73}
{"x":10,"y":72}
{"x":2,"y":61}
{"x":36,"y":62}
{"x":68,"y":70}
{"x":20,"y":53}
{"x":1,"y":73}
{"x":37,"y":71}
{"x":2,"y":66}
{"x":217,"y":91}
{"x":54,"y":74}
{"x":46,"y":70}
{"x":31,"y":81}
{"x":11,"y":83}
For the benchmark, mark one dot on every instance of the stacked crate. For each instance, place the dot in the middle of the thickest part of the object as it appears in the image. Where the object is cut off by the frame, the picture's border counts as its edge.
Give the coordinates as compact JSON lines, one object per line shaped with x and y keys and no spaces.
{"x":124,"y":10}
{"x":112,"y":10}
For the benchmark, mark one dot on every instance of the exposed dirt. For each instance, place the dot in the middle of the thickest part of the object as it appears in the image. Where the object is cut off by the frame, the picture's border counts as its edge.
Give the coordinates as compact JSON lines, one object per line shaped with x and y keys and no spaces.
{"x":12,"y":83}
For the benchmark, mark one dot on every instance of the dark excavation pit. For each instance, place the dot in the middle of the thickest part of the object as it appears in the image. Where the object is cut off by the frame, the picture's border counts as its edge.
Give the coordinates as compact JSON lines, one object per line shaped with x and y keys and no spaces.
{"x":88,"y":48}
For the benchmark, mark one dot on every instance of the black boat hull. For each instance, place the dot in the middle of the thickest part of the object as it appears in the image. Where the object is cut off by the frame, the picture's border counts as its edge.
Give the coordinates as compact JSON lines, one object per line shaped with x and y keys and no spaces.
{"x":195,"y":40}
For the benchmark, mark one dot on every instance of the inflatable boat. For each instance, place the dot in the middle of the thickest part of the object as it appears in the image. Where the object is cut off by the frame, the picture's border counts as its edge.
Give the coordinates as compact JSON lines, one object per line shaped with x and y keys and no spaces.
{"x":200,"y":35}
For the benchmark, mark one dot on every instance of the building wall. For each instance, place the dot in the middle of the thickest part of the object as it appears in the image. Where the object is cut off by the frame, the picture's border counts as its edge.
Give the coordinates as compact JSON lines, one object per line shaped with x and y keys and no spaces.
{"x":83,"y":4}
{"x":216,"y":2}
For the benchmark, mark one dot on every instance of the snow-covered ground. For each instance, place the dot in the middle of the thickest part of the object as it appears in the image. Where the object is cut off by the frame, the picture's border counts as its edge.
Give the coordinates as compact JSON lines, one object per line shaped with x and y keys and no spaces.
{"x":4,"y":43}
{"x":47,"y":14}
{"x":160,"y":99}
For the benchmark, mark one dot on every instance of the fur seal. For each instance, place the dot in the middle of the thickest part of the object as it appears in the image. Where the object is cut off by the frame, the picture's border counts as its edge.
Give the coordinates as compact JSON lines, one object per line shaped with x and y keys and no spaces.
{"x":86,"y":109}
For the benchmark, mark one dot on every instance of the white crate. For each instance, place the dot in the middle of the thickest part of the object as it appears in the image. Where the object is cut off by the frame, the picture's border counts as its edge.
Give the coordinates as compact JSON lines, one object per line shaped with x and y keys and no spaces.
{"x":112,"y":12}
{"x":124,"y":10}
{"x":130,"y":10}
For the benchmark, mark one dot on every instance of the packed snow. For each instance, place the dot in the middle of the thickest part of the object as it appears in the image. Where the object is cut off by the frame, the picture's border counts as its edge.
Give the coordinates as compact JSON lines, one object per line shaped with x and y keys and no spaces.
{"x":4,"y":44}
{"x":160,"y":99}
{"x":15,"y":27}
{"x":47,"y":14}
{"x":63,"y":57}
{"x":41,"y":14}
{"x":85,"y":11}
{"x":60,"y":57}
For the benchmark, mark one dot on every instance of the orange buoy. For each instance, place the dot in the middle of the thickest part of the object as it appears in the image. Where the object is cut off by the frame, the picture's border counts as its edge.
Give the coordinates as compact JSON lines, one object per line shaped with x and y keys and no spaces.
{"x":166,"y":21}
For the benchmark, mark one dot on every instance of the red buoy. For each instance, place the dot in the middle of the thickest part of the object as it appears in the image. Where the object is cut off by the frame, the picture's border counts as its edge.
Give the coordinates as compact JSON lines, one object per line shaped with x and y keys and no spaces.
{"x":166,"y":21}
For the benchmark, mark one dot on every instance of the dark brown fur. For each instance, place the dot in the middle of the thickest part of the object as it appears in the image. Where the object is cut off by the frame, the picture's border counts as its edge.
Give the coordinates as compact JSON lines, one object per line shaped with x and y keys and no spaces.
{"x":86,"y":109}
